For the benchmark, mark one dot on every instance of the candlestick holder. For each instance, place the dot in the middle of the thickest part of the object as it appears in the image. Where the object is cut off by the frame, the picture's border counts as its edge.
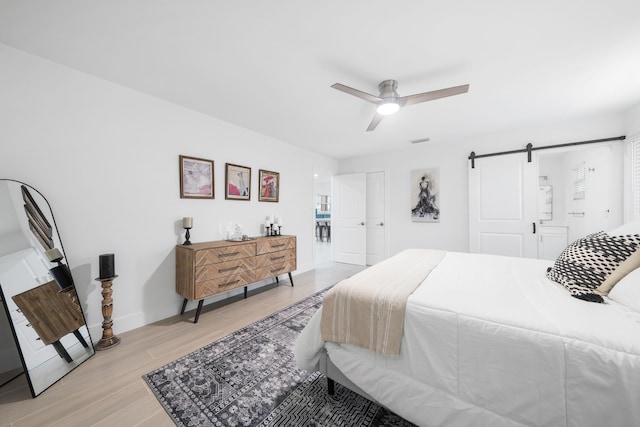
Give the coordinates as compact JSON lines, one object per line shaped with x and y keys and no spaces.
{"x":108,"y":339}
{"x":187,"y":236}
{"x":271,"y":231}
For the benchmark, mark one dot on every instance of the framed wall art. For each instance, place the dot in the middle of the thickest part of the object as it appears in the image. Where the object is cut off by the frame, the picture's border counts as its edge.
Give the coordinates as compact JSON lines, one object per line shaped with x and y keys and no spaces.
{"x":238,"y":182}
{"x":196,"y":178}
{"x":269,"y":186}
{"x":425,"y":195}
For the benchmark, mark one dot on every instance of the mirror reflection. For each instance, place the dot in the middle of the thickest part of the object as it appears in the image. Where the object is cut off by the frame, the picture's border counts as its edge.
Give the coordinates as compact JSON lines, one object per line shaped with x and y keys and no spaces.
{"x":545,"y":203}
{"x":43,"y":313}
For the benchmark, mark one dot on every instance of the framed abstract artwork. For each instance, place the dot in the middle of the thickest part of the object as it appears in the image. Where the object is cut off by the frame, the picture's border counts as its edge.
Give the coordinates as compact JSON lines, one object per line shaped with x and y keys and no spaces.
{"x":237,"y":182}
{"x":269,"y":186}
{"x":196,"y":178}
{"x":425,"y":195}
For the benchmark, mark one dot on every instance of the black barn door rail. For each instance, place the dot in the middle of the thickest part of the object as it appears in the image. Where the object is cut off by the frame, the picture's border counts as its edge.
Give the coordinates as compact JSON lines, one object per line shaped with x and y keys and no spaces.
{"x":529,"y":148}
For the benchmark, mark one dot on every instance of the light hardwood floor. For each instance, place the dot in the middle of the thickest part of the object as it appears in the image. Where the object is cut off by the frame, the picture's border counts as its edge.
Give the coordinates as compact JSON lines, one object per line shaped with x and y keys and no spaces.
{"x":108,"y":389}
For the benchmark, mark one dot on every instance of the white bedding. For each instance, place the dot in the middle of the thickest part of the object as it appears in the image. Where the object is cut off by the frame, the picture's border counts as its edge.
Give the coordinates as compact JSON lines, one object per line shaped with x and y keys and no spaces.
{"x":489,"y":340}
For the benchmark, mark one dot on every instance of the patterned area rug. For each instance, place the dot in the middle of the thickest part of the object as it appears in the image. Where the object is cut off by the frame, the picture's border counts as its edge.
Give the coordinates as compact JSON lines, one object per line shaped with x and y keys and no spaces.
{"x":249,"y":378}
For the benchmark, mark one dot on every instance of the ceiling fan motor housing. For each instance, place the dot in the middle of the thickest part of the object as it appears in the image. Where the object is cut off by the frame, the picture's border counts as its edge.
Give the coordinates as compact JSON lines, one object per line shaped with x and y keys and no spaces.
{"x":388,"y":90}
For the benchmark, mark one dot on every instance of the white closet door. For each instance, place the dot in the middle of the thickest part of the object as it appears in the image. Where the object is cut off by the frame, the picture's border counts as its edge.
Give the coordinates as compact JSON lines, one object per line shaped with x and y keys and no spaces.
{"x":348,"y":231}
{"x":502,"y":206}
{"x":375,"y":223}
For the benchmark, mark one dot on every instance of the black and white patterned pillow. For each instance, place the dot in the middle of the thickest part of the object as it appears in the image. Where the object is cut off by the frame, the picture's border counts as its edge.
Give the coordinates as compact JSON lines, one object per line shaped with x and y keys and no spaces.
{"x":595,"y":261}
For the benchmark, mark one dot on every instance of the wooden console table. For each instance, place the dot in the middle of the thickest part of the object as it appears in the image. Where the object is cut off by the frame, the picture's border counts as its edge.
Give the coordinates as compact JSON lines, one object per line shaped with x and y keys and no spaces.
{"x":209,"y":268}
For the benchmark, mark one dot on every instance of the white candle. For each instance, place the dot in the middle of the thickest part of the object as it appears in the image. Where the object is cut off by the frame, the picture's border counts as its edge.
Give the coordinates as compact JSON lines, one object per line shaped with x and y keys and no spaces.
{"x":278,"y":221}
{"x":267,"y":223}
{"x":187,"y":222}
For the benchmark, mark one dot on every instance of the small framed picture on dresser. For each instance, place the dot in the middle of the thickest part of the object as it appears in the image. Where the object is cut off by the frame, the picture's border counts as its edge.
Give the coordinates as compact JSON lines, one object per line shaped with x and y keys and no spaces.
{"x":269,"y":186}
{"x":196,"y":178}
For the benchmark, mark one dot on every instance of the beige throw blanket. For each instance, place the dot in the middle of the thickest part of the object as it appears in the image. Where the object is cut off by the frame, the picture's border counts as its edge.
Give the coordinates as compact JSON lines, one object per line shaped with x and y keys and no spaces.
{"x":368,"y":308}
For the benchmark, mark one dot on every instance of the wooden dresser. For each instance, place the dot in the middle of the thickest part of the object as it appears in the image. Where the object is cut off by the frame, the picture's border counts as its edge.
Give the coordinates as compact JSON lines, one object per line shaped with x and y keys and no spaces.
{"x":209,"y":268}
{"x":53,"y":314}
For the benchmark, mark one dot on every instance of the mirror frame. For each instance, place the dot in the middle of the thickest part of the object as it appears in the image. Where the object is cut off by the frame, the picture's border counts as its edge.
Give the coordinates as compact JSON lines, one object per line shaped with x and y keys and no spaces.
{"x":50,"y":345}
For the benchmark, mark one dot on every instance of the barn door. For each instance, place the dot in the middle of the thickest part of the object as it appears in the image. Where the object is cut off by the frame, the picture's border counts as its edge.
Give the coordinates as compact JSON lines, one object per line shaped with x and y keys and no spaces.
{"x":502,"y":206}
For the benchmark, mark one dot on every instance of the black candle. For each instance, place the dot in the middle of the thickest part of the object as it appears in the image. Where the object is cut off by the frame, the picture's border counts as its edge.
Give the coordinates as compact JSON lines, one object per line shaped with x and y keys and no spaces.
{"x":62,"y":276}
{"x":107,"y":266}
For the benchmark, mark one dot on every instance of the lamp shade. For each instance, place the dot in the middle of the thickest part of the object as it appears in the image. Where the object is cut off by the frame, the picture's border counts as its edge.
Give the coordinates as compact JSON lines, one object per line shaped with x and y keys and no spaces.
{"x":53,"y":255}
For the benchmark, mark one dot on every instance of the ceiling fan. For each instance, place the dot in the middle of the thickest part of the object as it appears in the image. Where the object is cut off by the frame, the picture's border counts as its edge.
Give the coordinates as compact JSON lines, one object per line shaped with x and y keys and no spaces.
{"x":389,"y":101}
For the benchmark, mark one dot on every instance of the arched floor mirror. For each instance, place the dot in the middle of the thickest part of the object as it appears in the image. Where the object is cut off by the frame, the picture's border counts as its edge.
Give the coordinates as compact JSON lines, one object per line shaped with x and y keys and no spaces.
{"x":44,"y":332}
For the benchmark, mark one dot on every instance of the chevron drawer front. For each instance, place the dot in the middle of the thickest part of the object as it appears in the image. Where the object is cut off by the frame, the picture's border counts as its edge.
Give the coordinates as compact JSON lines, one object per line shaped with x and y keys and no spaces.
{"x":273,"y":244}
{"x":275,"y":269}
{"x":227,"y":253}
{"x":209,"y":268}
{"x":222,"y":269}
{"x":206,"y":288}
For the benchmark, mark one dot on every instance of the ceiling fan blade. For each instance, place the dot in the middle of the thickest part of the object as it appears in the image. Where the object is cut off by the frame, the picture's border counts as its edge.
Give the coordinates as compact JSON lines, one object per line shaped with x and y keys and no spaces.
{"x":374,"y":122}
{"x":356,"y":92}
{"x":430,"y":96}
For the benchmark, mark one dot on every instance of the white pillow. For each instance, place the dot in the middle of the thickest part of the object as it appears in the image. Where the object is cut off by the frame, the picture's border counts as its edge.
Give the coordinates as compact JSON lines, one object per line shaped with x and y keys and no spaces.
{"x":627,"y":290}
{"x":632,"y":227}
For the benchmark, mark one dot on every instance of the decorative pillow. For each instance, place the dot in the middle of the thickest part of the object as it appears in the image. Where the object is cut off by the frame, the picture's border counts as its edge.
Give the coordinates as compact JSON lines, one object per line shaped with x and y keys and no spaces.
{"x":627,"y":290}
{"x":591,"y":266}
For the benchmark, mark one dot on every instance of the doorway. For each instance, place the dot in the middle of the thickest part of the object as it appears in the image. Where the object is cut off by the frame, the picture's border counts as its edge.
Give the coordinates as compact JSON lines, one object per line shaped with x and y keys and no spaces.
{"x":322,"y":197}
{"x":582,"y":194}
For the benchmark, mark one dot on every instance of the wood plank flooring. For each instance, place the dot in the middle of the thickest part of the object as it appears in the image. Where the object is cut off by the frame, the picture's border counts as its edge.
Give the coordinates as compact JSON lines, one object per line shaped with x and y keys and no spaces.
{"x":108,"y":389}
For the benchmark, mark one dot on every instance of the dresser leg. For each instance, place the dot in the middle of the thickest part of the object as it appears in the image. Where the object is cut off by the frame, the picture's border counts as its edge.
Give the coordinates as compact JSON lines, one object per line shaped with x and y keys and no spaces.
{"x":331,"y":387}
{"x":277,"y":281}
{"x":184,"y":305}
{"x":62,"y":351}
{"x":80,"y":338}
{"x":245,"y":292}
{"x":198,"y":311}
{"x":291,"y":279}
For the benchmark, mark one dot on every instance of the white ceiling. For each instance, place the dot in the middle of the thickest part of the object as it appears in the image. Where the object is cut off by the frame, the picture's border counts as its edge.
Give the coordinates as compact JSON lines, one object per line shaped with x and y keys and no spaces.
{"x":268,"y":65}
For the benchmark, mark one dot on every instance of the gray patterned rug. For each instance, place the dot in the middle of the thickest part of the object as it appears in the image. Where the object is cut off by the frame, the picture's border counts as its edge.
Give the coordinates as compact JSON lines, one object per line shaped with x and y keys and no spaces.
{"x":249,"y":378}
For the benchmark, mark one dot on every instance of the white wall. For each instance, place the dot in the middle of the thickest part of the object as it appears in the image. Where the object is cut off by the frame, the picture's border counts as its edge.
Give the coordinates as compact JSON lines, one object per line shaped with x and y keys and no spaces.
{"x":632,"y":121}
{"x":452,"y":159}
{"x":106,"y":158}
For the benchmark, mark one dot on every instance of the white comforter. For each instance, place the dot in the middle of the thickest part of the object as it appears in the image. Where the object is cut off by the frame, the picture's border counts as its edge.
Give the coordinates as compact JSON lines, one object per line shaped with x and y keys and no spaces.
{"x":488,"y":340}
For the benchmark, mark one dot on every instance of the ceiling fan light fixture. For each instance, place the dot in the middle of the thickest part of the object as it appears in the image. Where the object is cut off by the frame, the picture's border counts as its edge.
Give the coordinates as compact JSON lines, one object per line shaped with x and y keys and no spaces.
{"x":388,"y":107}
{"x":389,"y":102}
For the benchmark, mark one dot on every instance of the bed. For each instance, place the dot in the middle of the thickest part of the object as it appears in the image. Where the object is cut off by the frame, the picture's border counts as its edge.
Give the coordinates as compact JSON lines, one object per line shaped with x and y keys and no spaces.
{"x":491,"y":340}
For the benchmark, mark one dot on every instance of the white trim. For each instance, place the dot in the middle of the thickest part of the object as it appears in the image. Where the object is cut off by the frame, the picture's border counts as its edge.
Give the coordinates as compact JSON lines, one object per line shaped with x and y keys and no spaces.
{"x":632,"y":178}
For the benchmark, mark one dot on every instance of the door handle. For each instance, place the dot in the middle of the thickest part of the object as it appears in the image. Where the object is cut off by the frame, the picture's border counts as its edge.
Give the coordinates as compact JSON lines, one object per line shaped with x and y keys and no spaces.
{"x":362,"y":223}
{"x":381,"y":224}
{"x":534,"y":227}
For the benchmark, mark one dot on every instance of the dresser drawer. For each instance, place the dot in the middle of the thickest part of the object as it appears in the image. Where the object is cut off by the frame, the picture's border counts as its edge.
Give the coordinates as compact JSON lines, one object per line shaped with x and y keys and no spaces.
{"x":223,"y":283}
{"x":275,"y":269}
{"x":274,"y":244}
{"x":226,"y":253}
{"x":275,"y":257}
{"x":222,"y":269}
